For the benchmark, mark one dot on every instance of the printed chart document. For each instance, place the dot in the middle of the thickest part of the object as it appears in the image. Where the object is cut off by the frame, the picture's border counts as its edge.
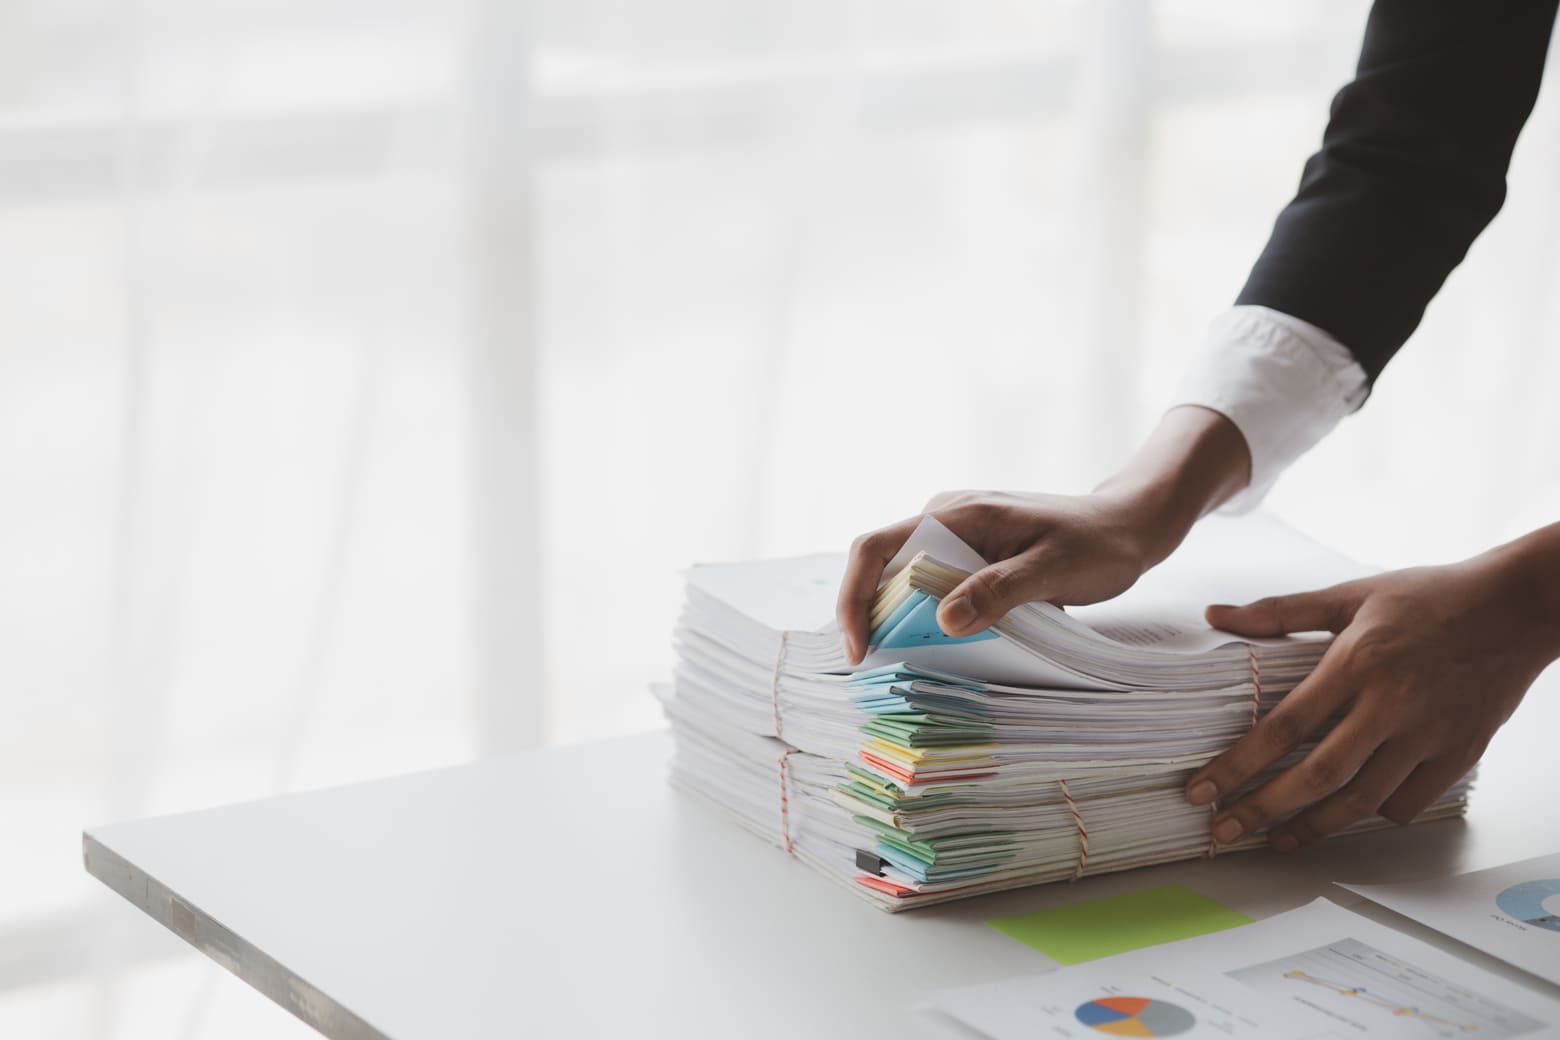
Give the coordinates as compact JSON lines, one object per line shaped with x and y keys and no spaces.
{"x":1511,"y":912}
{"x":1319,"y":971}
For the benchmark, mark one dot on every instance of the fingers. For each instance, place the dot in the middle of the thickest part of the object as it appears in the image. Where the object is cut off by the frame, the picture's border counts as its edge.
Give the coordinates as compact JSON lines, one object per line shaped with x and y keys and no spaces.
{"x":1427,"y":783}
{"x":1325,"y":610}
{"x":869,"y":554}
{"x":1359,"y":799}
{"x":1276,"y":734}
{"x":1319,"y":774}
{"x":980,"y":600}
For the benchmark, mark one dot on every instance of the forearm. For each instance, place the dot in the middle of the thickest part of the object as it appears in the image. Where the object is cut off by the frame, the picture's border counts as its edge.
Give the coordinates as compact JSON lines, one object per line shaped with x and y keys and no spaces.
{"x":1528,"y":572}
{"x":1412,"y":167}
{"x":1193,"y":462}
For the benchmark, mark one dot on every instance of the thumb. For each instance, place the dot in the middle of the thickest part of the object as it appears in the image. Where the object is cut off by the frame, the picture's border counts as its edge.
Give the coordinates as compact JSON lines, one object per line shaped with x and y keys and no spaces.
{"x":980,"y":600}
{"x":1325,"y":610}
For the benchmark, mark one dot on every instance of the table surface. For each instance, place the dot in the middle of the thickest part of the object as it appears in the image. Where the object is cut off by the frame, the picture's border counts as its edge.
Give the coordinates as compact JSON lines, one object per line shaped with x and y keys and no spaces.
{"x":573,"y":892}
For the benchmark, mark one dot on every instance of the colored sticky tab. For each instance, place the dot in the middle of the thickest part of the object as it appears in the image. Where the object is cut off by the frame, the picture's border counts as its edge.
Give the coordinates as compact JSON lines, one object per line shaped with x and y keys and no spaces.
{"x":1115,"y":924}
{"x":915,"y":624}
{"x":899,"y":614}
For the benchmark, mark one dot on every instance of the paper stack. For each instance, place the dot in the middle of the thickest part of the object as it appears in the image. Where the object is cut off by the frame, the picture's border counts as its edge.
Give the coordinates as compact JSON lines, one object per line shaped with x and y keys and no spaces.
{"x":1054,"y":746}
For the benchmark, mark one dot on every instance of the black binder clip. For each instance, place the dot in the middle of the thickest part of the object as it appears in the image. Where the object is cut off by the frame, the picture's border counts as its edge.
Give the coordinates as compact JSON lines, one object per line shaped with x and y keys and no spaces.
{"x":870,"y":863}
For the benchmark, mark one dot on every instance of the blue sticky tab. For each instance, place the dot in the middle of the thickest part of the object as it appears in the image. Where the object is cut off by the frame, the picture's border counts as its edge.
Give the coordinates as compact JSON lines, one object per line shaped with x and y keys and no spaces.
{"x":877,"y":705}
{"x":900,"y":613}
{"x":920,"y":871}
{"x":887,"y":676}
{"x":917,"y":626}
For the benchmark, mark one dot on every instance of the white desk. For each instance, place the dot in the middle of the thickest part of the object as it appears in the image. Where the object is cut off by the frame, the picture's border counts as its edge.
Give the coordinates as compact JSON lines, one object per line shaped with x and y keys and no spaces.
{"x":571,"y":892}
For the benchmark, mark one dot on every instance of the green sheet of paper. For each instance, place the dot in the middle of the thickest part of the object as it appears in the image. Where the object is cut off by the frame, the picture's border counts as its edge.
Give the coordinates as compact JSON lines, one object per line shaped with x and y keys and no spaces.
{"x":1115,"y":924}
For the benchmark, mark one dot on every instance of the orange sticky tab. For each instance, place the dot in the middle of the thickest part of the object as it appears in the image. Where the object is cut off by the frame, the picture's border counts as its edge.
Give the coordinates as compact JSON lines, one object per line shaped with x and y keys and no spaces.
{"x":884,"y":885}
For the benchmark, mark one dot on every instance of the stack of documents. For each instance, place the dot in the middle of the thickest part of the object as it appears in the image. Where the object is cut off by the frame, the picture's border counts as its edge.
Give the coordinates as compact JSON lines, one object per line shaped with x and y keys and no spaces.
{"x":1053,"y":746}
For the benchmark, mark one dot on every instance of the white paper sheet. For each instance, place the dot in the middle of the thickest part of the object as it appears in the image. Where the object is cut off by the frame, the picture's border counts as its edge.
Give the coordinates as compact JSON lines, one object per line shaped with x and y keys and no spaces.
{"x":1319,"y":971}
{"x":1511,"y":912}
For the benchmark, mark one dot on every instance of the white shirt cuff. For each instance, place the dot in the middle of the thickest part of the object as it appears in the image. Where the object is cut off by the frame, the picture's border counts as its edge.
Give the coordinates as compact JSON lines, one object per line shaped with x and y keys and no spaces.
{"x":1283,"y":382}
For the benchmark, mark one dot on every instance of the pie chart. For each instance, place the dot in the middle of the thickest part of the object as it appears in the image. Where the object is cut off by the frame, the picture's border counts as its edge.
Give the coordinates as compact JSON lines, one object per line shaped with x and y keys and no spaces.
{"x":1134,"y":1016}
{"x":1534,"y":902}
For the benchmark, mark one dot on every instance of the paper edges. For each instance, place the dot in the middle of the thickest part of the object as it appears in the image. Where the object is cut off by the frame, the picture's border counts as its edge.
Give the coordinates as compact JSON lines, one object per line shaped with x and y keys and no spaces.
{"x":1072,"y":805}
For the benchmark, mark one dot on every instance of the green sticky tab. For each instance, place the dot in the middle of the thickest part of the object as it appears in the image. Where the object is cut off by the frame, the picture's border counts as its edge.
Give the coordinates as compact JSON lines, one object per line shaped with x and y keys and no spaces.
{"x":1116,"y":924}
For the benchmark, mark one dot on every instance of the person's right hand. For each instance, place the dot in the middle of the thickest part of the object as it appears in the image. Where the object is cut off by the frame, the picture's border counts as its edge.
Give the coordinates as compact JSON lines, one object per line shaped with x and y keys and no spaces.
{"x":1058,"y":548}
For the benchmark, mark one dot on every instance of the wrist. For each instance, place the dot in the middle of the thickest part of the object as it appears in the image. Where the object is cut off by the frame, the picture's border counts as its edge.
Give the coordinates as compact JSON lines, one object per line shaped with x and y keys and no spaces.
{"x":1152,"y":517}
{"x":1527,"y":571}
{"x":1193,"y":462}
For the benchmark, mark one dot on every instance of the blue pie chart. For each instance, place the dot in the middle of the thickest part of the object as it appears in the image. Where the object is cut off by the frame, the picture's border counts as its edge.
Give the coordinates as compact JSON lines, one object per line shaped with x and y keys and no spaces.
{"x":1526,"y":902}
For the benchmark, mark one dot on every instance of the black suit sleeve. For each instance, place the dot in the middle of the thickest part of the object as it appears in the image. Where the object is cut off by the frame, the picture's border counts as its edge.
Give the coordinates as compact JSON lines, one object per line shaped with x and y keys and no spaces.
{"x":1412,"y":168}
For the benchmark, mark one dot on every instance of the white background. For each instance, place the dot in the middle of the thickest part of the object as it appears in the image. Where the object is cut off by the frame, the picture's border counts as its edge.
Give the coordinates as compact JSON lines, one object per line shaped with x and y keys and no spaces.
{"x":369,"y":369}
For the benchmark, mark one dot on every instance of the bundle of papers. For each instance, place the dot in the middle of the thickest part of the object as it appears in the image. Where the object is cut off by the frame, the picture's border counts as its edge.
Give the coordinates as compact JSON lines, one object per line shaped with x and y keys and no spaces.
{"x":1055,"y":745}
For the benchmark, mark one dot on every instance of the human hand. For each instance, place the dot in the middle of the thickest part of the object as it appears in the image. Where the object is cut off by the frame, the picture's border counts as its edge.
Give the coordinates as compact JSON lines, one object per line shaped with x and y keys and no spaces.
{"x":1427,"y":665}
{"x":1059,"y":548}
{"x":1065,"y":549}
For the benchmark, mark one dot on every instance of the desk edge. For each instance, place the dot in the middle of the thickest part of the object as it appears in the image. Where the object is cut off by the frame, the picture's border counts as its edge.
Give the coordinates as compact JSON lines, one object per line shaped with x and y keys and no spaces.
{"x":240,"y":957}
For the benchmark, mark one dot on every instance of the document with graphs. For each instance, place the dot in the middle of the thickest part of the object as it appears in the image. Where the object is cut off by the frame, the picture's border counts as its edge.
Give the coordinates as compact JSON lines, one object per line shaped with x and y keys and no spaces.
{"x":1318,"y":971}
{"x":1510,"y":911}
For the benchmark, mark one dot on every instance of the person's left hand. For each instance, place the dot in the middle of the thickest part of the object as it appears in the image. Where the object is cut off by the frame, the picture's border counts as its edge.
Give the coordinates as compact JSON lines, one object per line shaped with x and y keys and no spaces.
{"x":1427,"y":665}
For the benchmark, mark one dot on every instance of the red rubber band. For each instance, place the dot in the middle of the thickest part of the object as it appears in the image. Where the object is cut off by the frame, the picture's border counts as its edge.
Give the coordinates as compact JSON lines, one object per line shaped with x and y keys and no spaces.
{"x":1083,"y":832}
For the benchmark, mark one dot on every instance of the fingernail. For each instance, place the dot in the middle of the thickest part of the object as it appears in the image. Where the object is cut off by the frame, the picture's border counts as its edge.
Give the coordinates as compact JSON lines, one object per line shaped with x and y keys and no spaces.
{"x":958,"y":613}
{"x":1221,"y":606}
{"x":1285,"y":842}
{"x":1228,"y":830}
{"x":850,"y":651}
{"x":1202,"y":792}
